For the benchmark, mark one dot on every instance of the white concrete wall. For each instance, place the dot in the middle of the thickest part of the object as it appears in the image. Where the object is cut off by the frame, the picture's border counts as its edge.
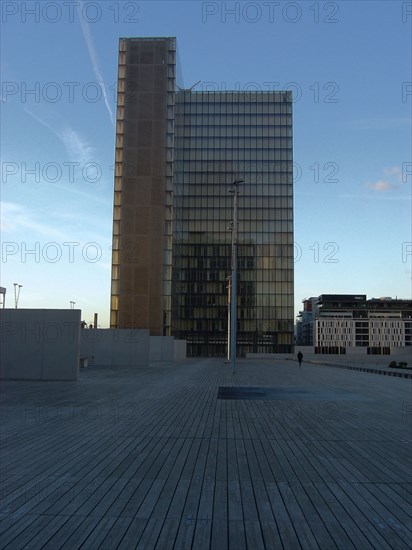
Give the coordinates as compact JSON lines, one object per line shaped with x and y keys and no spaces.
{"x":179,"y":350}
{"x":116,"y":347}
{"x":357,"y":354}
{"x":39,"y":344}
{"x":161,"y":348}
{"x":356,"y":350}
{"x":128,"y":347}
{"x":270,"y":356}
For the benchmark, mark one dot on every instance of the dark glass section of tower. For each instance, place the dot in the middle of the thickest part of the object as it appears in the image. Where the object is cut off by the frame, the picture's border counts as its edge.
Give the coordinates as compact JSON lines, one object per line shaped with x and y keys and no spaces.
{"x":221,"y":137}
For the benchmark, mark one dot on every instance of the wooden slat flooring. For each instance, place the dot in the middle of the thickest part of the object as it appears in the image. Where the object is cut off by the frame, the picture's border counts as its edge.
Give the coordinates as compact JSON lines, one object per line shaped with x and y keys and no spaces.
{"x":150,"y":458}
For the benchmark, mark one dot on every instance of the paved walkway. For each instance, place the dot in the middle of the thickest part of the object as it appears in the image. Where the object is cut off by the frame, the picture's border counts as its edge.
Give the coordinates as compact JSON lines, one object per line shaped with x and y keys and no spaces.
{"x":371,"y":367}
{"x":311,"y":457}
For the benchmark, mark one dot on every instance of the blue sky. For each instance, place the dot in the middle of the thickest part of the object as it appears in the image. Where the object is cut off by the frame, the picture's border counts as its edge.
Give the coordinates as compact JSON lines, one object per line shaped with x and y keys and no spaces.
{"x":348,"y":63}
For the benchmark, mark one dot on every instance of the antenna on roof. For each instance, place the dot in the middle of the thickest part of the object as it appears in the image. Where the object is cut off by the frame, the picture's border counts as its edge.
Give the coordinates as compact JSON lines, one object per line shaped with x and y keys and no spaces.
{"x":188,"y":89}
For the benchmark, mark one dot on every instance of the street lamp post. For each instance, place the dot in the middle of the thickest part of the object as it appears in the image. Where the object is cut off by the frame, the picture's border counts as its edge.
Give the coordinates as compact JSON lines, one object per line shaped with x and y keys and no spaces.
{"x":233,"y":304}
{"x":72,"y":304}
{"x":17,"y":288}
{"x":229,"y":300}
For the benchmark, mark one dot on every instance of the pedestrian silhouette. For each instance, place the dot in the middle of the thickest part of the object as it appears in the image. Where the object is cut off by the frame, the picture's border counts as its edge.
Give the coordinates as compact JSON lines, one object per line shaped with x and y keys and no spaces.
{"x":300,"y":357}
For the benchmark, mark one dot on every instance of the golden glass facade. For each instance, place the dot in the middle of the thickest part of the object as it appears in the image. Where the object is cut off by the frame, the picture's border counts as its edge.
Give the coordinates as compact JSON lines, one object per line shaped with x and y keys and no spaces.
{"x":143,"y":187}
{"x":177,"y":153}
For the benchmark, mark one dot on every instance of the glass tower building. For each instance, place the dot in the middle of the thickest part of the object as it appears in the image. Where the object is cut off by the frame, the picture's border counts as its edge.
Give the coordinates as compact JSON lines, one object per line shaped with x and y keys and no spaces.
{"x":205,"y":142}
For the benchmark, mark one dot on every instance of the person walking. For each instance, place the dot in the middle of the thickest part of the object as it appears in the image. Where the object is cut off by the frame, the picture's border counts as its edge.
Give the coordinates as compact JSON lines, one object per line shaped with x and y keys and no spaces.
{"x":300,"y":357}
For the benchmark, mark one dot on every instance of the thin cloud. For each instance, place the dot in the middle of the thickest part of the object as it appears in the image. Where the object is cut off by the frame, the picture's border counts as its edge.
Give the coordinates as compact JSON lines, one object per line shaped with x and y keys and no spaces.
{"x":36,"y":117}
{"x":93,"y":57}
{"x":392,"y":180}
{"x":394,"y":172}
{"x":88,"y":196}
{"x":76,"y":146}
{"x":380,"y":186}
{"x":17,"y":217}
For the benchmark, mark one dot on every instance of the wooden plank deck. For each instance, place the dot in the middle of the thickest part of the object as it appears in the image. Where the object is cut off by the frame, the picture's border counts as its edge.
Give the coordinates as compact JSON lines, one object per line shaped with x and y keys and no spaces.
{"x":151,"y":458}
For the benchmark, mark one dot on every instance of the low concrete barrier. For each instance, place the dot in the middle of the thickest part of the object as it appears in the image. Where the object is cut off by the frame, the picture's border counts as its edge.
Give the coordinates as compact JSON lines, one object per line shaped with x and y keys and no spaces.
{"x":161,"y":348}
{"x":117,"y":347}
{"x":39,"y":344}
{"x":180,"y":350}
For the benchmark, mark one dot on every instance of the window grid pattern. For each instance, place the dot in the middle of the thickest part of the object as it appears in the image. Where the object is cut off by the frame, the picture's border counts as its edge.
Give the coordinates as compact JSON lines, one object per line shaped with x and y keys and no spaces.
{"x":374,"y":332}
{"x":220,"y":137}
{"x":118,"y":181}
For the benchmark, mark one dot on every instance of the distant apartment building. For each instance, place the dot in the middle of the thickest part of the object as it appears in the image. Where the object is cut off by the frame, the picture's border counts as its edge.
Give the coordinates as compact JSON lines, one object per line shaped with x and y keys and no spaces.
{"x":177,"y":153}
{"x":304,"y":324}
{"x":344,"y":321}
{"x":378,"y":324}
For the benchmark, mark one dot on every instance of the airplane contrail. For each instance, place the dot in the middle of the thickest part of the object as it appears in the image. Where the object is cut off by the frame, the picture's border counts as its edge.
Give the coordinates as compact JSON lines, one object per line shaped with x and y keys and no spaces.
{"x":93,"y":56}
